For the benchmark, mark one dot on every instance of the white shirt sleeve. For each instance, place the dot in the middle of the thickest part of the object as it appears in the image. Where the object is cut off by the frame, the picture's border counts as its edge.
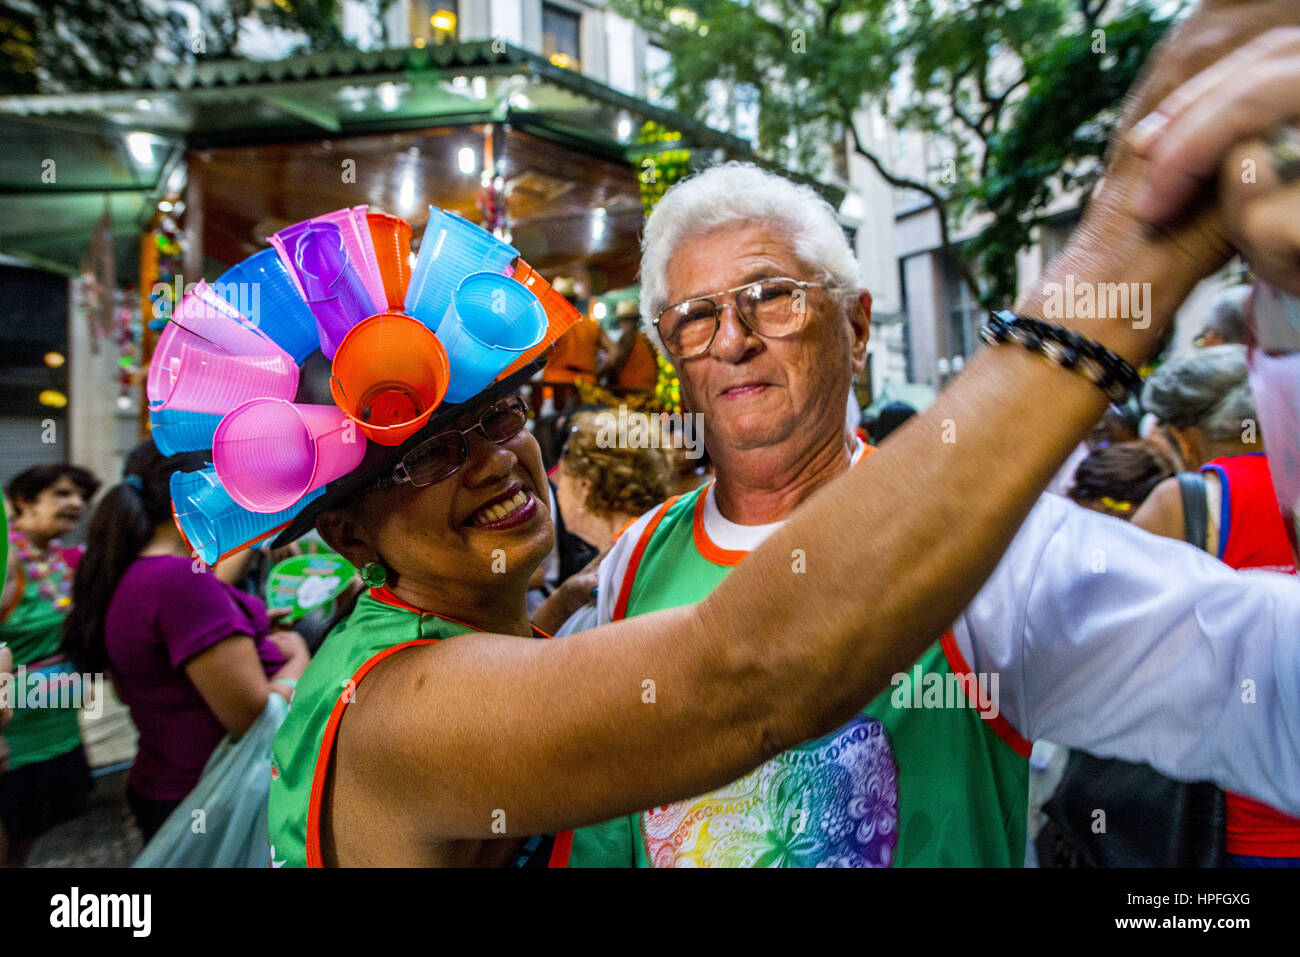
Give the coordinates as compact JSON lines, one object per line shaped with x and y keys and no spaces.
{"x":1128,"y":645}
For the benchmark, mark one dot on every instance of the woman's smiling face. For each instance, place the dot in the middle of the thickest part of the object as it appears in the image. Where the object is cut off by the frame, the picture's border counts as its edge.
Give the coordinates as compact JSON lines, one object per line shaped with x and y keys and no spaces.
{"x":486,"y":522}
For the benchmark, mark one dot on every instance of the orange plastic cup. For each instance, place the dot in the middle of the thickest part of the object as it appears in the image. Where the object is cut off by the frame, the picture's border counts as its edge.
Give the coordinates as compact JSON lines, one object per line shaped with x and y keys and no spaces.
{"x":392,"y":240}
{"x":560,"y":314}
{"x":388,"y":376}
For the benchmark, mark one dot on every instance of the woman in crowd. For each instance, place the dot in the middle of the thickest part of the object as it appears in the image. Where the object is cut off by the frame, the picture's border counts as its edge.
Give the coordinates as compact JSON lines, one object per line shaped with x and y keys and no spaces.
{"x":602,"y":485}
{"x":192,"y":657}
{"x":48,"y":779}
{"x":1205,"y":399}
{"x":1116,"y":479}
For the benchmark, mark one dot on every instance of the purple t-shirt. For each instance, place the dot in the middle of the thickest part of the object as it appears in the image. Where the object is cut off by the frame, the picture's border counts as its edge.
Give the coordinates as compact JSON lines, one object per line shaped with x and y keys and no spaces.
{"x":161,"y":616}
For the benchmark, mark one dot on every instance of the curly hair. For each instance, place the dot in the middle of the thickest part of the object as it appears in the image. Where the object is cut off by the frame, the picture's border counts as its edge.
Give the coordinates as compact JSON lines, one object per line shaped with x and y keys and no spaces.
{"x":624,"y":481}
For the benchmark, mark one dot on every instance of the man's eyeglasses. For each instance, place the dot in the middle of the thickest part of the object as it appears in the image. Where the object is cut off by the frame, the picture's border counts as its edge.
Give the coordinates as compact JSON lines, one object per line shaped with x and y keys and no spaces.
{"x":441,"y":455}
{"x":771,"y":308}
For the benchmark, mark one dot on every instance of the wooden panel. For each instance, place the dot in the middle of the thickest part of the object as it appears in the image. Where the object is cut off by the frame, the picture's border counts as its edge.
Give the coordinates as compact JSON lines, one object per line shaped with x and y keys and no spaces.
{"x":250,"y":192}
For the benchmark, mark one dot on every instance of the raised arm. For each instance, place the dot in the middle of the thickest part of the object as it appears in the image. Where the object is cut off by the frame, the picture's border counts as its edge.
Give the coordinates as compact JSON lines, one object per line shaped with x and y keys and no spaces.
{"x":668,"y":705}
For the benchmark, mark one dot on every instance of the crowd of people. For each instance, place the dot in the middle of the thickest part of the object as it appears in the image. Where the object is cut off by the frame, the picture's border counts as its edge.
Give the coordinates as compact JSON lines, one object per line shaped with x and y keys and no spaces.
{"x":825,"y":646}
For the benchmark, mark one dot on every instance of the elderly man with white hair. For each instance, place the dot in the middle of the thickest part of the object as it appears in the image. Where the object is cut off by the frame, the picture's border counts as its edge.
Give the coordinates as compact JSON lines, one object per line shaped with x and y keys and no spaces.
{"x":754,"y":294}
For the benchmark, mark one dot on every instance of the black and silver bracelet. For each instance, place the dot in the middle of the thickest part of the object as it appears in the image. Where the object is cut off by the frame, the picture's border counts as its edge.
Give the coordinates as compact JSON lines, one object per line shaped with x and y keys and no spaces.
{"x":1068,"y":349}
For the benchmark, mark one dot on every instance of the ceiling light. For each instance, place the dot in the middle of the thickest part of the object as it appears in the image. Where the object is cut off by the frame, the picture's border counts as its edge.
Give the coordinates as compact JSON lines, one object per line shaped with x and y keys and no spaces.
{"x":467,"y":160}
{"x":141,"y":147}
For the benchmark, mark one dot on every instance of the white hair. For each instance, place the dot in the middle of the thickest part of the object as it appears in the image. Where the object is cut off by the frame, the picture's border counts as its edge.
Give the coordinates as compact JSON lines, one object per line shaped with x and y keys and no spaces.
{"x":1208,"y":388}
{"x":742,"y":193}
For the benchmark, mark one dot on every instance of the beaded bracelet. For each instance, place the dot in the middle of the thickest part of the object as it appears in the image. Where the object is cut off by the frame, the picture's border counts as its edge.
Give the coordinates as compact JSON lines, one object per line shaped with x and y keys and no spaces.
{"x":1068,"y":349}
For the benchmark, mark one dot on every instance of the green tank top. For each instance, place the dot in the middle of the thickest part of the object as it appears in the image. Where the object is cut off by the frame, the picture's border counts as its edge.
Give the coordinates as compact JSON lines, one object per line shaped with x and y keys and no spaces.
{"x":45,"y":699}
{"x":301,"y":752}
{"x":919,"y":778}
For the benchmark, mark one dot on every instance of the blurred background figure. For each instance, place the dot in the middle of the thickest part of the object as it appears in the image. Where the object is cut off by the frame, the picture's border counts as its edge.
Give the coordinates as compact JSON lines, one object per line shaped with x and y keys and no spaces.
{"x":600,"y":489}
{"x":632,"y":368}
{"x":1116,"y":479}
{"x":1233,"y":513}
{"x":1204,"y":404}
{"x":193,"y":657}
{"x":48,"y":779}
{"x":1227,"y":322}
{"x":576,"y":356}
{"x":889,"y":418}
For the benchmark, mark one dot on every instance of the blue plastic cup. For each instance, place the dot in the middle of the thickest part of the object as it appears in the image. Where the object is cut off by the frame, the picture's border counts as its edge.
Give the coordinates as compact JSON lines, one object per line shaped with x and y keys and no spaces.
{"x":214,"y":524}
{"x":491,"y":321}
{"x":178,"y":430}
{"x":261,"y":288}
{"x":451,"y":249}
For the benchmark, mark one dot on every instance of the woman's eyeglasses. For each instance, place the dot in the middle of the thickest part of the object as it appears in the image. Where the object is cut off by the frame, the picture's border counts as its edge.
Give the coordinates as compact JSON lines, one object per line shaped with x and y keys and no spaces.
{"x":440,"y":456}
{"x":771,"y":308}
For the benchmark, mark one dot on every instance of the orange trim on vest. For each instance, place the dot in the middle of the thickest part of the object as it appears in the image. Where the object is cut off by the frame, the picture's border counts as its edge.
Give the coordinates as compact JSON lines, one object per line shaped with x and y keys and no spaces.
{"x":726,"y":556}
{"x":314,"y":858}
{"x":625,"y":590}
{"x":707,"y":548}
{"x":999,"y":723}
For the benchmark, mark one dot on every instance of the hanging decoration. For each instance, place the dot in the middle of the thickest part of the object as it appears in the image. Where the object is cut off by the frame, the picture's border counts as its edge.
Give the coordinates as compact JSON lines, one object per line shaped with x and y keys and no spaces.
{"x":658,"y":166}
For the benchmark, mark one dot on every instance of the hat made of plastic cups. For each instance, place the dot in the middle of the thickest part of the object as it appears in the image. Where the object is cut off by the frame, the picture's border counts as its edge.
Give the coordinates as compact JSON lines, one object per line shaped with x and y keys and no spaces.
{"x":330,"y":283}
{"x":213,"y":524}
{"x":264,"y":291}
{"x":177,"y":430}
{"x":561,"y":316}
{"x":491,"y":322}
{"x":451,"y":249}
{"x":391,"y":237}
{"x":389,"y":374}
{"x":269,"y":453}
{"x":209,"y":359}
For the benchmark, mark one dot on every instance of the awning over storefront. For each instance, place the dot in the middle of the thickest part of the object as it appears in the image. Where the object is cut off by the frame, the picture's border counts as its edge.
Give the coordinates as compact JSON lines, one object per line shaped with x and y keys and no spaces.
{"x":267,"y":142}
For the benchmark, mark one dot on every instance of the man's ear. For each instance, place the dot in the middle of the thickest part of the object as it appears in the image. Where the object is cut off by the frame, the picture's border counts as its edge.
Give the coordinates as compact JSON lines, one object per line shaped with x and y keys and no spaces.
{"x":860,"y":327}
{"x":345,"y":535}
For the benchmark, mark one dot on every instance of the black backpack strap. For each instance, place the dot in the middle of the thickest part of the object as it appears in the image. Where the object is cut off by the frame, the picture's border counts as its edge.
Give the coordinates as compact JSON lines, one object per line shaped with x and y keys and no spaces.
{"x":1196,"y":511}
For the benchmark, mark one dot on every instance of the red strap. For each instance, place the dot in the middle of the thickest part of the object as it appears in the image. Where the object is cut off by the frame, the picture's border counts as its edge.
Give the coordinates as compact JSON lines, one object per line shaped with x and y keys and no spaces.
{"x":1000,"y":725}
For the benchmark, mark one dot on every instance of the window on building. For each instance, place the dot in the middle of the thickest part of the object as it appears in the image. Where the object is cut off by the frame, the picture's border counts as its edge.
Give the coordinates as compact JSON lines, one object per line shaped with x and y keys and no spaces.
{"x":433,"y":21}
{"x":963,"y":312}
{"x":657,"y":64}
{"x":561,"y":28}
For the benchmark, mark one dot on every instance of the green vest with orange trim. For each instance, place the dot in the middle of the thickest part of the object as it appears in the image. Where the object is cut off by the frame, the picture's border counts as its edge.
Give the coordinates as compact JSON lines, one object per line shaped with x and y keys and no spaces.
{"x":927,"y":775}
{"x":300,"y":755}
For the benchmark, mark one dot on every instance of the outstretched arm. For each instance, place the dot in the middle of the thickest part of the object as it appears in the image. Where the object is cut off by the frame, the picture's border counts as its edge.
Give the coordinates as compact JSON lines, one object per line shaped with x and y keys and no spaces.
{"x":562,"y":733}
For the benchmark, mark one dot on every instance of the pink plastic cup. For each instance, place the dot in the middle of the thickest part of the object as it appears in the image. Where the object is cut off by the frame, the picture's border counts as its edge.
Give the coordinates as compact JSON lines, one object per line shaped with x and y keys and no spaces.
{"x":209,"y":358}
{"x":269,"y":453}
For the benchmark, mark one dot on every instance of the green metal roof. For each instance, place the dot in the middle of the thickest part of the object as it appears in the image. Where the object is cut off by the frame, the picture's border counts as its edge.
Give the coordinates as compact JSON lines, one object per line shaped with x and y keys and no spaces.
{"x":47,"y":221}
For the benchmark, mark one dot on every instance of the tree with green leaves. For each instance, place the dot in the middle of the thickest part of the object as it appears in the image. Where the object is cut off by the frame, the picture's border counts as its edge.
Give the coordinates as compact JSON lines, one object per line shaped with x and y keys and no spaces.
{"x":1019,"y":96}
{"x":61,"y":46}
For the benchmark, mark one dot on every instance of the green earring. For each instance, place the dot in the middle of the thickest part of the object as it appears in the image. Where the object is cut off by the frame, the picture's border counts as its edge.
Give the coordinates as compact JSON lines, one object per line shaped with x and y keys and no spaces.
{"x":374,"y":574}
